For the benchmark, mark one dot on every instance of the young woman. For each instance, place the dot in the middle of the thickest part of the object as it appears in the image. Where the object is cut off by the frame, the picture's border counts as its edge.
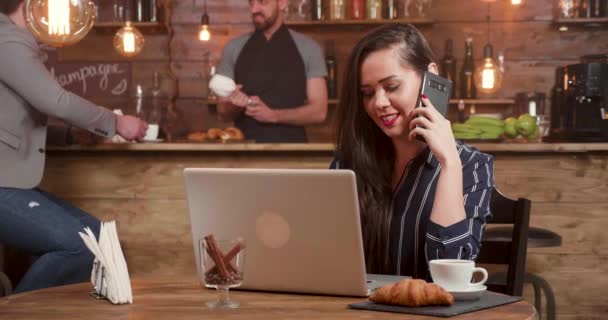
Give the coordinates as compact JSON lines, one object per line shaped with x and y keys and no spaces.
{"x":31,"y":219}
{"x":418,"y":200}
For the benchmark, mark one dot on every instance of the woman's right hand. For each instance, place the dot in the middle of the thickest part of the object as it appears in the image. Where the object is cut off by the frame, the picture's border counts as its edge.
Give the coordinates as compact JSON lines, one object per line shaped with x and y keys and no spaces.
{"x":130,"y":127}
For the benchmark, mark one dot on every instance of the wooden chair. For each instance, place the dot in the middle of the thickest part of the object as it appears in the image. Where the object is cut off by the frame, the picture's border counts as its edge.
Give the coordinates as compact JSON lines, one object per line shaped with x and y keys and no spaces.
{"x":511,"y":252}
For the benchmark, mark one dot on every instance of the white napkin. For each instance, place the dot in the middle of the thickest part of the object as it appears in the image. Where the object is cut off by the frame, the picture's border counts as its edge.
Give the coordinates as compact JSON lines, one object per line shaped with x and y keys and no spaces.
{"x":221,"y":85}
{"x":108,"y":253}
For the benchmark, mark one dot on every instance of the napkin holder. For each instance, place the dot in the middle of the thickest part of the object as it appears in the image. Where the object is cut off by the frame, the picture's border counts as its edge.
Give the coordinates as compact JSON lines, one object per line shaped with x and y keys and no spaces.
{"x":100,"y":284}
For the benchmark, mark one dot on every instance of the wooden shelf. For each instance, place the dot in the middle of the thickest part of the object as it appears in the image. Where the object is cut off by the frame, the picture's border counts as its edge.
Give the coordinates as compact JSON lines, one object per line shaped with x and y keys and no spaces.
{"x":452,"y":101}
{"x":587,"y":22}
{"x":456,"y":101}
{"x":484,"y":101}
{"x":135,"y":24}
{"x":360,"y":22}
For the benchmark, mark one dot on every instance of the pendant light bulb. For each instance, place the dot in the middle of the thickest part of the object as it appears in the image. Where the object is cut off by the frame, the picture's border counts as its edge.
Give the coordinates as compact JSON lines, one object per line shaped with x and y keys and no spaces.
{"x":516,"y":2}
{"x":59,"y":22}
{"x":204,"y":34}
{"x":128,"y":41}
{"x":488,"y":78}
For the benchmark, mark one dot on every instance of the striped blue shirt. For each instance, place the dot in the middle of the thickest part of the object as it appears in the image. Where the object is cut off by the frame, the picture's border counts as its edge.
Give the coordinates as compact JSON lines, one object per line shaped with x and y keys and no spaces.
{"x":413,"y":238}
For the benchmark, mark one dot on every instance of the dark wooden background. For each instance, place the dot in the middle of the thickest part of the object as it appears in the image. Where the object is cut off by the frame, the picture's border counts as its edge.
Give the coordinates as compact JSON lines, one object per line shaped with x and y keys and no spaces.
{"x":532,"y":44}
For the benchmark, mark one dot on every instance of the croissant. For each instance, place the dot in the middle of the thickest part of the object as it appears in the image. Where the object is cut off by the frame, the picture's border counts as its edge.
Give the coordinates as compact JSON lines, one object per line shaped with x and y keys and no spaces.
{"x":412,"y":293}
{"x":214,"y":133}
{"x":232,"y":133}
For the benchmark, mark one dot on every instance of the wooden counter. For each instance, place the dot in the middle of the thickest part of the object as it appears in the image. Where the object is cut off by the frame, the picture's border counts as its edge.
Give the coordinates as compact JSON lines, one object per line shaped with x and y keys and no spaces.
{"x":314,"y":147}
{"x":142,"y":187}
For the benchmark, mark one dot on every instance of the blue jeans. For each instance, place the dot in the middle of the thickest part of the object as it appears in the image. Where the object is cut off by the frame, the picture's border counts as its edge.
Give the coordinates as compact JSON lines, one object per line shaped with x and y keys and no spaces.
{"x":42,"y":225}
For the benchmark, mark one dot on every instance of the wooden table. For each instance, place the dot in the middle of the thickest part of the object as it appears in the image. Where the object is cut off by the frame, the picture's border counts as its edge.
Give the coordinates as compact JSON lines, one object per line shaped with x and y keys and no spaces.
{"x":156,"y":298}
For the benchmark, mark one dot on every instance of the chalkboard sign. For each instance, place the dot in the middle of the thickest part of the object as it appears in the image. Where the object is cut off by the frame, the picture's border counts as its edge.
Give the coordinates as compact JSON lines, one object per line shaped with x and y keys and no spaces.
{"x":90,"y":79}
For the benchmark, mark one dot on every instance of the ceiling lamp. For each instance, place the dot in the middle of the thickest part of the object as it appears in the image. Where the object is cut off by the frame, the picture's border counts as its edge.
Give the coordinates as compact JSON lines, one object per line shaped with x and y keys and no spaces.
{"x":488,"y":77}
{"x":59,"y":22}
{"x":204,"y":34}
{"x":128,"y":41}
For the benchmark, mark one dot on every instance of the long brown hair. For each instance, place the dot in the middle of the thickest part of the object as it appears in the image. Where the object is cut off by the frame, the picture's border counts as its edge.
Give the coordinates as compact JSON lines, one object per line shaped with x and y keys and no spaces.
{"x":363,"y":147}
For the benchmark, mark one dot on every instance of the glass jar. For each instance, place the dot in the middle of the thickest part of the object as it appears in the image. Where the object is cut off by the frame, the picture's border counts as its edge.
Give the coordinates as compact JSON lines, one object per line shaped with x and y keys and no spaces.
{"x":374,"y":9}
{"x":357,"y":9}
{"x":568,"y":8}
{"x":299,"y":10}
{"x":404,"y":8}
{"x":422,"y":8}
{"x":337,"y":9}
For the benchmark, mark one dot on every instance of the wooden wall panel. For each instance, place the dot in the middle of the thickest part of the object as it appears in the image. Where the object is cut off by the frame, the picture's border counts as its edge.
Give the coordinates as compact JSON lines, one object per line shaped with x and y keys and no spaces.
{"x":144,"y":192}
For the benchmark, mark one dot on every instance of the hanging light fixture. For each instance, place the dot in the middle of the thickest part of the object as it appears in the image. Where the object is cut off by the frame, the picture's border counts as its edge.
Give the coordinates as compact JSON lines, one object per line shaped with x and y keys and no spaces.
{"x":59,"y":22}
{"x":516,"y":2}
{"x":204,"y":34}
{"x":128,"y":41}
{"x":488,"y":78}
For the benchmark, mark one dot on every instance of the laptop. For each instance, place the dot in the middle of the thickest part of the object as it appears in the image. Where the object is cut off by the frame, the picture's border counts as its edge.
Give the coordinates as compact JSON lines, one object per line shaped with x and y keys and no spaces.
{"x":301,"y":227}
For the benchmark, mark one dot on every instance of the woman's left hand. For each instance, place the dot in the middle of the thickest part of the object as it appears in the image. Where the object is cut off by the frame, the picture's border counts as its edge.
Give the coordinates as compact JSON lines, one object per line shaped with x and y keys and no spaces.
{"x":436,"y":131}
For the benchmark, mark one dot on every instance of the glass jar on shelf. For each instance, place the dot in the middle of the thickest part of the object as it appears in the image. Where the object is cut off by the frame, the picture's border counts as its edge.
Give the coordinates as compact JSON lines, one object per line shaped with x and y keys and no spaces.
{"x":568,"y":8}
{"x":404,"y":8}
{"x":422,"y":8}
{"x":357,"y":9}
{"x":337,"y":9}
{"x":299,"y":10}
{"x":374,"y":9}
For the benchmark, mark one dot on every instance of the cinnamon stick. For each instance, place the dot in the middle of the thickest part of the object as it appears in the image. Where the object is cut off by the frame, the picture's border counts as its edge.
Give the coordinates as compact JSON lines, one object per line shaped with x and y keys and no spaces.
{"x":216,"y":255}
{"x":228,"y":258}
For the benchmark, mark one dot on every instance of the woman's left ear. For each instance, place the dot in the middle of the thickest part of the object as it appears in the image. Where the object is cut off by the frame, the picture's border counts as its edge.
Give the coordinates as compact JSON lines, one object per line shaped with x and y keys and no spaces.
{"x":432,"y":68}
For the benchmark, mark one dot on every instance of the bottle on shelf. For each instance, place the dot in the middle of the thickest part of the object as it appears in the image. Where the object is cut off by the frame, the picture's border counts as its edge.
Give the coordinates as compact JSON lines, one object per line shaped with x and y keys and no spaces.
{"x":373,"y":9}
{"x":139,"y":11}
{"x":390,"y":9}
{"x":357,"y":9}
{"x":330,"y":60}
{"x":467,"y":81}
{"x":211,"y":95}
{"x":318,"y":12}
{"x":155,"y":106}
{"x":584,"y":9}
{"x":448,"y":66}
{"x":155,"y":12}
{"x":337,"y":9}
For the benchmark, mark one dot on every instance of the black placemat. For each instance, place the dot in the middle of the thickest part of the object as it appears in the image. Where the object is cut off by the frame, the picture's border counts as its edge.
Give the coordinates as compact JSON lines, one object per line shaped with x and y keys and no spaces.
{"x":487,"y":300}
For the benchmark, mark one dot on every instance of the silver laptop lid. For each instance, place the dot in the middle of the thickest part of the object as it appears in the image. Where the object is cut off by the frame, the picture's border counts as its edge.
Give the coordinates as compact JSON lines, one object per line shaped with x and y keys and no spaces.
{"x":301,"y":227}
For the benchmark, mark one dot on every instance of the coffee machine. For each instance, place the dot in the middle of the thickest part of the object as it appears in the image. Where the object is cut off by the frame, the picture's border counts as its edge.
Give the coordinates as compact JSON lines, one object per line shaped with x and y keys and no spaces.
{"x":579,"y":107}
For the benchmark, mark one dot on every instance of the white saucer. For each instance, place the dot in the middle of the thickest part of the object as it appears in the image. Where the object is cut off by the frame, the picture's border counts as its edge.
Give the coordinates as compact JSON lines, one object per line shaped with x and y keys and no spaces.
{"x":153,"y":140}
{"x":473,"y":293}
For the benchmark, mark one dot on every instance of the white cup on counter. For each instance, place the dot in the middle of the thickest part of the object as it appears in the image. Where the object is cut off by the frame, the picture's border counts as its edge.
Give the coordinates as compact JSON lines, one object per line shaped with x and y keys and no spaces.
{"x":455,"y":274}
{"x":152,"y":132}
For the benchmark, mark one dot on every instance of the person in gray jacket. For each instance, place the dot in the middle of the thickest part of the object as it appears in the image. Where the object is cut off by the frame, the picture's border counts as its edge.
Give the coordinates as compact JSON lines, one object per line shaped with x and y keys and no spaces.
{"x":32,"y":220}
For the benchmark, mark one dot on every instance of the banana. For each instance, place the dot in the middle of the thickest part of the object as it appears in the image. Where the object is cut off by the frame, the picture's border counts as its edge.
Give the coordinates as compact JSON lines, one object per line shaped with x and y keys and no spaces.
{"x":460,"y":127}
{"x":485,"y":121}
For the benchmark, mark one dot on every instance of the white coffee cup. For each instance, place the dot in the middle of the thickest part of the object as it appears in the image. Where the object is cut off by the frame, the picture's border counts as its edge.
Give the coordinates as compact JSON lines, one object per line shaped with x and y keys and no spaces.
{"x":152,"y":132}
{"x":455,"y":275}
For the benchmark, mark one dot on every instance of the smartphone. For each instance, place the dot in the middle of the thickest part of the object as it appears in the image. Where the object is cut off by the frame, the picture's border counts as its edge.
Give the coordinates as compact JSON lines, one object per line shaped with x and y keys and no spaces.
{"x":438,"y":90}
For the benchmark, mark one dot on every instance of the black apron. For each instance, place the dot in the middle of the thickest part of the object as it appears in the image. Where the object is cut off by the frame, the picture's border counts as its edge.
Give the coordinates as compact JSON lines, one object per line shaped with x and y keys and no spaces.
{"x":274,"y":71}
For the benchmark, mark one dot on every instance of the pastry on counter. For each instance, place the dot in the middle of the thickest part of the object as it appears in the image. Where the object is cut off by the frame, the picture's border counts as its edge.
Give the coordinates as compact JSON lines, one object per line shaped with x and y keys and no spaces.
{"x":232,"y":133}
{"x":214,"y":133}
{"x":217,"y":134}
{"x":197,"y":136}
{"x":412,"y":293}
